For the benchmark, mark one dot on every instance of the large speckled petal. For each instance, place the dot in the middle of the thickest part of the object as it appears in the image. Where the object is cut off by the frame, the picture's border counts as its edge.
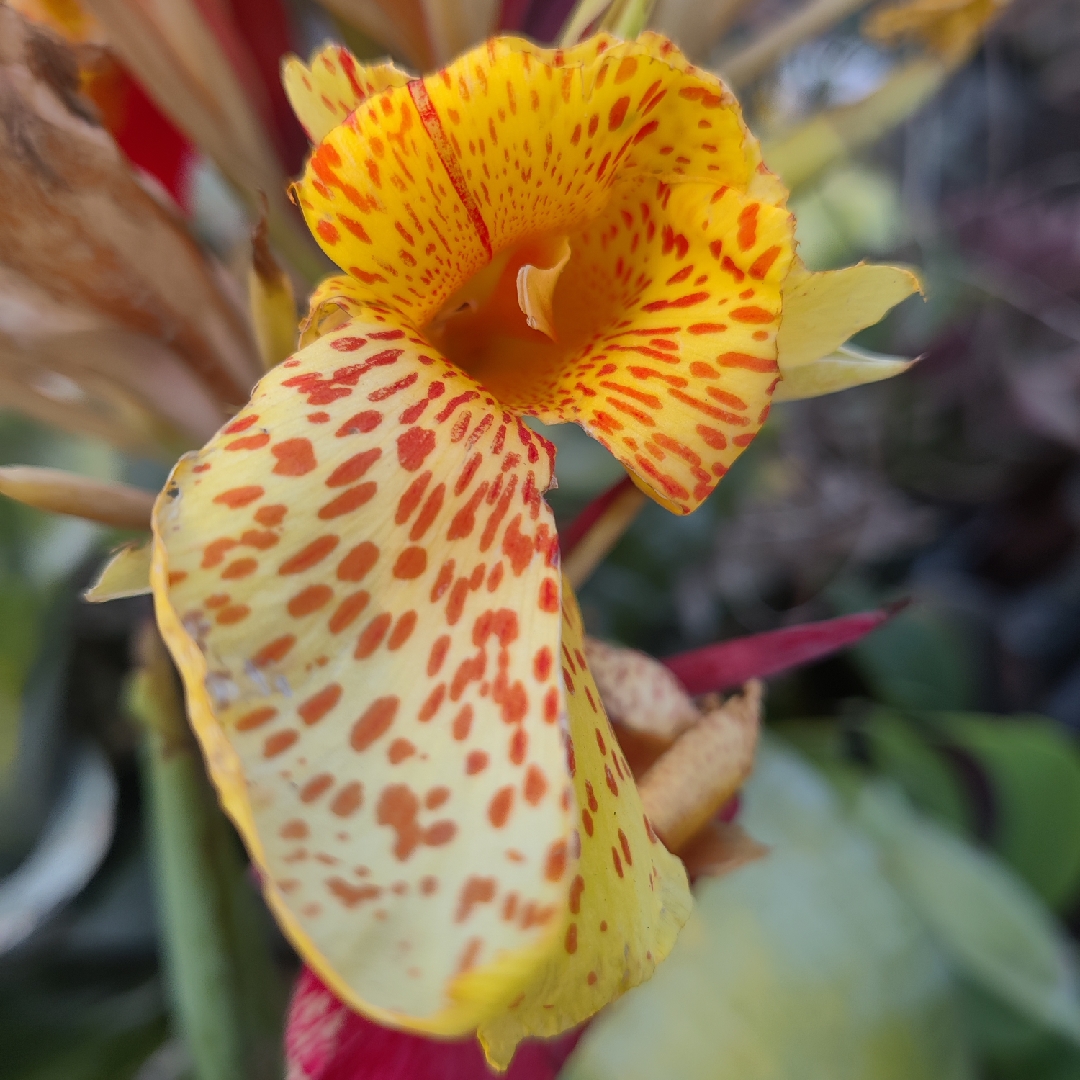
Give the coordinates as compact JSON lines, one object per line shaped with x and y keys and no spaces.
{"x":358,"y":579}
{"x":628,"y":896}
{"x":324,"y":94}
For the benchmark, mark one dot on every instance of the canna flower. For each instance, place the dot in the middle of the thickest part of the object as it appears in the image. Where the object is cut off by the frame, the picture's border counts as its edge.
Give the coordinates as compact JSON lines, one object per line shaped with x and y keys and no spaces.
{"x":358,"y":576}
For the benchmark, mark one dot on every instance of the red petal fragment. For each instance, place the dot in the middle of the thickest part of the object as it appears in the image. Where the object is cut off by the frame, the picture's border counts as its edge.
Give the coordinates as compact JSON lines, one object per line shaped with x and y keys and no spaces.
{"x":573,"y":534}
{"x":324,"y":1040}
{"x":729,"y":664}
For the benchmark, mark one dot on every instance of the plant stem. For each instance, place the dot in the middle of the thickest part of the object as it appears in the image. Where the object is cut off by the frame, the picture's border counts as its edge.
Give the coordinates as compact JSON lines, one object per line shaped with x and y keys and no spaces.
{"x":226,"y":994}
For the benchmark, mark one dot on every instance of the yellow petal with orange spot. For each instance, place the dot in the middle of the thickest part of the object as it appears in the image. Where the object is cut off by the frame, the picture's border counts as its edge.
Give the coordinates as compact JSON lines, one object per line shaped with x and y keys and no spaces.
{"x":358,"y":579}
{"x":666,"y":321}
{"x":629,"y":896}
{"x":667,"y":314}
{"x":822,"y":310}
{"x":323,"y":94}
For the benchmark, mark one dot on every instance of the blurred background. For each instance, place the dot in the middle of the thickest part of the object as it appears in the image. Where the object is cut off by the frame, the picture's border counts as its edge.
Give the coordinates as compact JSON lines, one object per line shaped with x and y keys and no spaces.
{"x":918,"y":916}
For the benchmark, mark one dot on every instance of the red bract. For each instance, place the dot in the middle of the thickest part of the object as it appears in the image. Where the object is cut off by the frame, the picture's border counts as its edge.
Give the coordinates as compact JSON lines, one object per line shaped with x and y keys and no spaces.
{"x":256,"y":35}
{"x":149,"y":139}
{"x":539,"y":19}
{"x":728,"y":664}
{"x":325,"y":1040}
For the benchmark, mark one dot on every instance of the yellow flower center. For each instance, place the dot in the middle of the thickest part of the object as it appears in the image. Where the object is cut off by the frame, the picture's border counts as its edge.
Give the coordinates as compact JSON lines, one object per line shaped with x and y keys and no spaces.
{"x":505,"y":322}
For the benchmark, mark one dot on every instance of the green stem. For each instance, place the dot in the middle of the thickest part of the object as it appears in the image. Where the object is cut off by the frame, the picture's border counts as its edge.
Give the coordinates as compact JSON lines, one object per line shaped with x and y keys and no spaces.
{"x":297,"y":247}
{"x":226,"y":994}
{"x":628,"y":18}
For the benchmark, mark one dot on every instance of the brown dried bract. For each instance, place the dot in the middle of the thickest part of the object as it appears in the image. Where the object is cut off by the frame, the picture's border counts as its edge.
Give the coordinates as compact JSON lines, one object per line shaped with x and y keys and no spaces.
{"x":86,"y":249}
{"x":703,"y":769}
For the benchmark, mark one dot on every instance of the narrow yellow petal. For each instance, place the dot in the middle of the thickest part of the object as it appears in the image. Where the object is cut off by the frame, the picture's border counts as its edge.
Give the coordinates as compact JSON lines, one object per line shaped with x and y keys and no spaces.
{"x":60,"y":492}
{"x":841,"y":370}
{"x":822,"y":310}
{"x":628,"y":895}
{"x":536,"y":292}
{"x":273,"y":305}
{"x":127,"y":573}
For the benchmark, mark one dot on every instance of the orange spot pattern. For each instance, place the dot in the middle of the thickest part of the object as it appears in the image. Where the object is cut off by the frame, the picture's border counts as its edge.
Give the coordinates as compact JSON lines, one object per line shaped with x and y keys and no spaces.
{"x":616,"y":926}
{"x":373,"y":683}
{"x":679,"y":239}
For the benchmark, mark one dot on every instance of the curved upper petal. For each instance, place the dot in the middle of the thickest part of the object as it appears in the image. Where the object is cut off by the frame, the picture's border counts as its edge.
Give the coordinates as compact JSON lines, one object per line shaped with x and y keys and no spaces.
{"x":358,"y":579}
{"x":325,"y":92}
{"x":507,"y":141}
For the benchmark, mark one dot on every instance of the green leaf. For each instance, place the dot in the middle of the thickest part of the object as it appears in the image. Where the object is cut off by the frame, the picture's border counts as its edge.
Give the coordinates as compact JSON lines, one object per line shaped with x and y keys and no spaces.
{"x":916,"y":661}
{"x":900,"y":750}
{"x":994,"y":928}
{"x":1034,"y":769}
{"x":805,"y":964}
{"x":20,"y":623}
{"x":96,"y":1056}
{"x":896,"y":748}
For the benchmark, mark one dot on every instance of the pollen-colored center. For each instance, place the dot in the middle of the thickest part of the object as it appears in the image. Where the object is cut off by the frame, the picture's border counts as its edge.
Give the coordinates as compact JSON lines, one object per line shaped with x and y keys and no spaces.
{"x":508,"y":325}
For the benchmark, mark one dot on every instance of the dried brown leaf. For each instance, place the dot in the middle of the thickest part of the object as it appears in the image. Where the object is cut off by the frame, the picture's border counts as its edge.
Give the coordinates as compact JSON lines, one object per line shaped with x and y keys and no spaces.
{"x":85,"y":248}
{"x":60,"y":492}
